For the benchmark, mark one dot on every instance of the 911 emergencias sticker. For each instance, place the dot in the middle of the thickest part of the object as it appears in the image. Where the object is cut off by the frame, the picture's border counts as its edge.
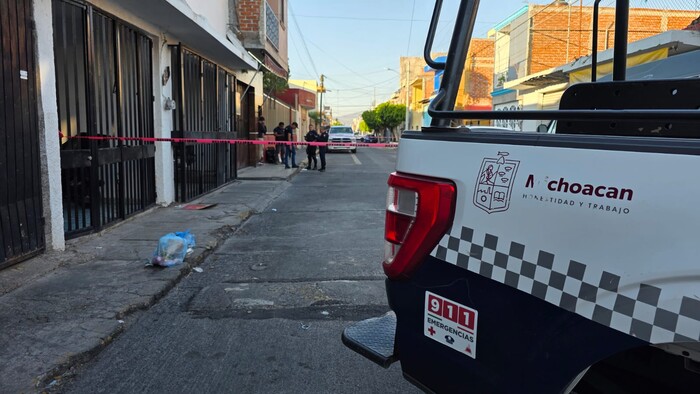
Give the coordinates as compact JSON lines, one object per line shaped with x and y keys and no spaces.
{"x":450,"y":323}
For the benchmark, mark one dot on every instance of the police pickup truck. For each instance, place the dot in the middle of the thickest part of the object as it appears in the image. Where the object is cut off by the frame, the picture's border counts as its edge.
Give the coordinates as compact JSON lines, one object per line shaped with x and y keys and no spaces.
{"x":546,"y":263}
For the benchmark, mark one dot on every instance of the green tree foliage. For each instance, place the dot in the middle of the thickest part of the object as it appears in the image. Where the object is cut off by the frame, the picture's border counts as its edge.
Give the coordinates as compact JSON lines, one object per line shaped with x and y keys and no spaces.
{"x":390,"y":115}
{"x":385,"y":116}
{"x":371,"y":120}
{"x":363,"y":127}
{"x":315,"y":116}
{"x":272,"y":83}
{"x":336,"y":122}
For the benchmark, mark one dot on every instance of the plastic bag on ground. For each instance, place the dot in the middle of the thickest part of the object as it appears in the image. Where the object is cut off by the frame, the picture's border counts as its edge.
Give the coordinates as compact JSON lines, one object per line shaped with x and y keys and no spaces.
{"x":172,"y":249}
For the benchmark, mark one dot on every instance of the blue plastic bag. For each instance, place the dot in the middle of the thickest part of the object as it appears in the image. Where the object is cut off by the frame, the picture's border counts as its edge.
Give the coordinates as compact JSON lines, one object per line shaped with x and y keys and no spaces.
{"x":172,"y":249}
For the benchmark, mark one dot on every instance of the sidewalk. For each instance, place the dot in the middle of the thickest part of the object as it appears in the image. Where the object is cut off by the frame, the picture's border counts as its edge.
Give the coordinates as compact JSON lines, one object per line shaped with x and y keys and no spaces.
{"x":62,"y":308}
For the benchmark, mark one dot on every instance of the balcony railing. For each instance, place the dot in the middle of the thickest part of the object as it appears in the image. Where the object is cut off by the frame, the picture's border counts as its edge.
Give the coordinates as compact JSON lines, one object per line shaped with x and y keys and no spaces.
{"x":272,"y":26}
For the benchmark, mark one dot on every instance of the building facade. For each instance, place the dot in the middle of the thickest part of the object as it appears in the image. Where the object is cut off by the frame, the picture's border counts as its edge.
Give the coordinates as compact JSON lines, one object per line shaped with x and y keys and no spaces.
{"x":90,"y":84}
{"x":537,"y":38}
{"x":261,"y":26}
{"x":475,"y":84}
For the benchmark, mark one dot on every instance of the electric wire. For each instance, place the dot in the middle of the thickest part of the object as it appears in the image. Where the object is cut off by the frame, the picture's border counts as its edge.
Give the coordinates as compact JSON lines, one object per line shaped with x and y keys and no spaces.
{"x":303,"y":40}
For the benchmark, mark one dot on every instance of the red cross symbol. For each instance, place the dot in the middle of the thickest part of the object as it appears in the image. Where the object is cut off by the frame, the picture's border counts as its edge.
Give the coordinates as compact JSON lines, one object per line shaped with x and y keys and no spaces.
{"x":431,"y":330}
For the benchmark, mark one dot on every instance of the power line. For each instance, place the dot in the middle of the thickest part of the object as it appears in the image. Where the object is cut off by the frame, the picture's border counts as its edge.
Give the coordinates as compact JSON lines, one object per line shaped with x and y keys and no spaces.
{"x":362,"y":87}
{"x":383,"y":70}
{"x":303,"y":40}
{"x":410,"y":29}
{"x":353,"y":106}
{"x":339,"y":62}
{"x":300,"y":58}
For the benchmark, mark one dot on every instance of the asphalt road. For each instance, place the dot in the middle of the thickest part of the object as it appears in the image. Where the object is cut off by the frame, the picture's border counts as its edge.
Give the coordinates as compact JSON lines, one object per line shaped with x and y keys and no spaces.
{"x":267,"y":312}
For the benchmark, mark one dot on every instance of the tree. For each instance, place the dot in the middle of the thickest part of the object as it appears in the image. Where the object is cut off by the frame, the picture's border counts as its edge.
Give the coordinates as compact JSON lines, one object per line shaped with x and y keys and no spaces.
{"x":315,"y":116}
{"x":272,"y":83}
{"x":336,"y":122}
{"x":371,"y":120}
{"x":390,"y":116}
{"x":363,"y":127}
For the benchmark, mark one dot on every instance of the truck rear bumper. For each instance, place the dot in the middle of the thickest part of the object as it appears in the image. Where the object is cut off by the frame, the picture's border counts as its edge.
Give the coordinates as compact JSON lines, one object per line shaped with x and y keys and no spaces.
{"x":373,"y":338}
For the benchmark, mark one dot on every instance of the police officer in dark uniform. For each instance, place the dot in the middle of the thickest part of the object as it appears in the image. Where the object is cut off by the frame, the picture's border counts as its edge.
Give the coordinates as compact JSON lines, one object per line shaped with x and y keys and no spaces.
{"x":311,"y":136}
{"x":323,"y":137}
{"x":279,"y":148}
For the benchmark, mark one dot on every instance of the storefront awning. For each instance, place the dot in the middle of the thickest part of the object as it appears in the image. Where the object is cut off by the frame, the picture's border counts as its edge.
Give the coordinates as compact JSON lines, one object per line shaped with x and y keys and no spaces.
{"x":273,"y":66}
{"x":553,"y":76}
{"x":541,"y":81}
{"x":684,"y":65}
{"x":176,"y":19}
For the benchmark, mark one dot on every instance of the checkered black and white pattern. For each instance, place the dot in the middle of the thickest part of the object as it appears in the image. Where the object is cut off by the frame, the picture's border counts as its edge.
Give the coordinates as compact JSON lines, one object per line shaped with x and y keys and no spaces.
{"x":586,"y":290}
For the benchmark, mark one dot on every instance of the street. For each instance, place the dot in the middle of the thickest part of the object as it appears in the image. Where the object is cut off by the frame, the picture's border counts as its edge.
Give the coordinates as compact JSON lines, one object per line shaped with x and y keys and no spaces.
{"x":266,"y":313}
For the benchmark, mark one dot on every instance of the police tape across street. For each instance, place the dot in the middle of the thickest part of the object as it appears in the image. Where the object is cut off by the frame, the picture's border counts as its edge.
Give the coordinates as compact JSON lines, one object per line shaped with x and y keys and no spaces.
{"x":227,"y":141}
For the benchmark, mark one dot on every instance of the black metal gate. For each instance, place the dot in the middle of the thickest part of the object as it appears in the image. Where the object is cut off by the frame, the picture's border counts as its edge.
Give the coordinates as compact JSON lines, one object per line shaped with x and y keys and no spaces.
{"x":21,"y":222}
{"x":104,"y":88}
{"x":207,"y":106}
{"x":245,"y":123}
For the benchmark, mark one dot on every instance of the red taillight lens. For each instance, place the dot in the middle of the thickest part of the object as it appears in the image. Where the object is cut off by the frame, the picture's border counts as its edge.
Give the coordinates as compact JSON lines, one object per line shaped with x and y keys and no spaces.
{"x":419,"y":211}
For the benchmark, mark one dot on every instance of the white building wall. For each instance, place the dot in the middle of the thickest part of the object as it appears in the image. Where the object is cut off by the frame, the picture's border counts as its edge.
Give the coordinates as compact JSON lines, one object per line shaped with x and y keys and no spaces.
{"x":163,"y":123}
{"x":49,"y":144}
{"x":515,"y":125}
{"x":501,"y":58}
{"x":214,"y":11}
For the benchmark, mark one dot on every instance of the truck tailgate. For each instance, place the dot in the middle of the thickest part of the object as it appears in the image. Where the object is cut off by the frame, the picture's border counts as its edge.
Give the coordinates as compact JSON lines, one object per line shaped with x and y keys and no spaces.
{"x":600,"y":228}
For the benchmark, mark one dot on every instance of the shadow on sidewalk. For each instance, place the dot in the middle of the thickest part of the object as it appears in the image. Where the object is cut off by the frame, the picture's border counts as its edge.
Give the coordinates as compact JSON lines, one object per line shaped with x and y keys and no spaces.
{"x":62,"y":308}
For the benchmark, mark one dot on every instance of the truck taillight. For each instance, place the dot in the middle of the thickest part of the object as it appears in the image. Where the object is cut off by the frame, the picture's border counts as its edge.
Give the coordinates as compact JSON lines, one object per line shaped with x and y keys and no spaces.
{"x":419,"y":211}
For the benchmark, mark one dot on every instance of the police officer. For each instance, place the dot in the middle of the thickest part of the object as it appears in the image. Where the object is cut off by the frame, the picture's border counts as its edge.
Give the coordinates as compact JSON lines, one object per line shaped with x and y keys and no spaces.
{"x":311,"y":136}
{"x":262,"y":130}
{"x":323,"y":137}
{"x":279,"y":137}
{"x":290,"y":152}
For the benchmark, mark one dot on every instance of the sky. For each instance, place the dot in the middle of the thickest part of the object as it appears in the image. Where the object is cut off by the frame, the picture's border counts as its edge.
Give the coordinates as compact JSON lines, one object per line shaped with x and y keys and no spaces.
{"x":353,"y":42}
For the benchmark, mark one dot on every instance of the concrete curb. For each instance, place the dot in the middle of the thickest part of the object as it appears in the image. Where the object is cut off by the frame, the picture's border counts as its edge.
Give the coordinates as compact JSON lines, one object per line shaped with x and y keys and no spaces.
{"x":64,"y":370}
{"x":101,"y":288}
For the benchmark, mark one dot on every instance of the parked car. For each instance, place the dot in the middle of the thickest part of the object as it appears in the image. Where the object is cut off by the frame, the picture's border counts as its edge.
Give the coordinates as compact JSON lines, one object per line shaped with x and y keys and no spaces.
{"x":342,"y":134}
{"x":370,"y":139}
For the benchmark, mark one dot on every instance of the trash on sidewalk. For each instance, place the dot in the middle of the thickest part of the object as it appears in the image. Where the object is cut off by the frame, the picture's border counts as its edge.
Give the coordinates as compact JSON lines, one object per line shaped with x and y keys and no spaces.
{"x":172,"y":249}
{"x":305,"y":326}
{"x":274,"y":209}
{"x":120,"y":321}
{"x":197,"y":269}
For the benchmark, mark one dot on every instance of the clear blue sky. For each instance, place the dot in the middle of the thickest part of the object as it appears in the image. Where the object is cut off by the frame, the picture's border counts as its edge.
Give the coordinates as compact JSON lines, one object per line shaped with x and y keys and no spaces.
{"x":352,"y":42}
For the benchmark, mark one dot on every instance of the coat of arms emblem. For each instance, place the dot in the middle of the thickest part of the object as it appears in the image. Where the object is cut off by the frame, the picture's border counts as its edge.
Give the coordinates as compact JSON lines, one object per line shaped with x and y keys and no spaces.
{"x":494,"y":184}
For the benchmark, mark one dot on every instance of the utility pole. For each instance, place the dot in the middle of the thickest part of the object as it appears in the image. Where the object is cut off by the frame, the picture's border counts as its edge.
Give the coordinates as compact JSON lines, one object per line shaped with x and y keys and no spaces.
{"x":408,"y":73}
{"x":321,"y":90}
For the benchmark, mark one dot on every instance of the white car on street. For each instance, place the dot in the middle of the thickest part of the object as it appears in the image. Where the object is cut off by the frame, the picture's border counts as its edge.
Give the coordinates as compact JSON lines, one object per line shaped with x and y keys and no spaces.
{"x":342,"y":134}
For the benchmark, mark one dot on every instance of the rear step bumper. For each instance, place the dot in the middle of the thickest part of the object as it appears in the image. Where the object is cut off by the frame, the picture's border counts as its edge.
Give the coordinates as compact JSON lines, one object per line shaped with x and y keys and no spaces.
{"x":373,"y":338}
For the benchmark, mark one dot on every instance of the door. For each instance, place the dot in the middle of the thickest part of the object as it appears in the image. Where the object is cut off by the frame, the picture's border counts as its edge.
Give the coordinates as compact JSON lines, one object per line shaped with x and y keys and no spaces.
{"x":21,"y":223}
{"x":204,"y":91}
{"x":104,"y":89}
{"x":243,"y":129}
